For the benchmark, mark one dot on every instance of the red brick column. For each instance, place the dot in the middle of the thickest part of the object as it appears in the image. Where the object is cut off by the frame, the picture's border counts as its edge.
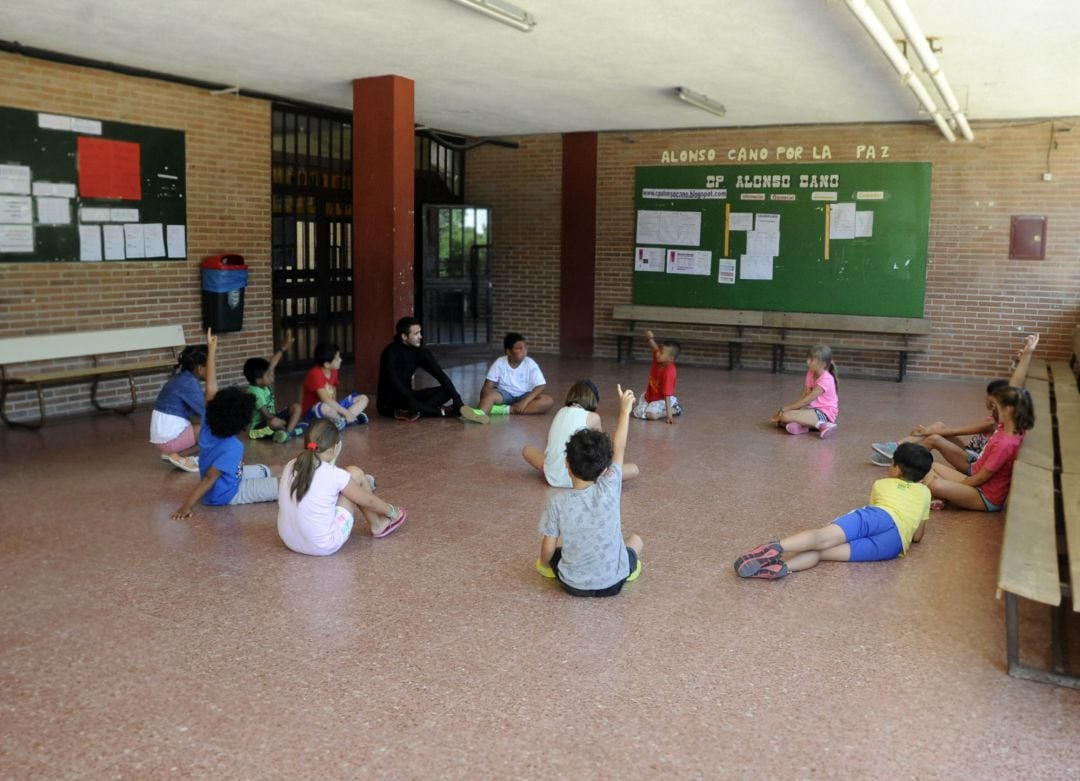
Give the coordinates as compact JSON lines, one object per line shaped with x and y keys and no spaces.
{"x":382,"y":216}
{"x":577,"y":267}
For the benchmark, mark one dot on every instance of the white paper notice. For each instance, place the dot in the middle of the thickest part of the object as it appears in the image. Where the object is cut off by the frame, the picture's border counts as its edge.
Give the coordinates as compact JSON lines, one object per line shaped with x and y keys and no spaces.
{"x":16,"y":209}
{"x":16,"y":238}
{"x":646,"y":259}
{"x":177,"y":241}
{"x":124,"y":215}
{"x":153,"y":240}
{"x":55,"y":189}
{"x":89,"y":127}
{"x":725,"y":274}
{"x":89,"y":242}
{"x":114,"y":242}
{"x":689,"y":261}
{"x":842,"y":221}
{"x":755,"y":267}
{"x":656,"y":227}
{"x":93,"y":215}
{"x":54,"y":211}
{"x":15,"y":179}
{"x":763,"y":243}
{"x":741,"y":221}
{"x":864,"y":224}
{"x":133,"y":241}
{"x":767,"y":223}
{"x":54,"y":121}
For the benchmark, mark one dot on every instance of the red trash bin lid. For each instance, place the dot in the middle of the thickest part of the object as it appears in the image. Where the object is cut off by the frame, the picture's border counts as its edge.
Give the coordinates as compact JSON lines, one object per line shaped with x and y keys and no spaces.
{"x":225,"y":262}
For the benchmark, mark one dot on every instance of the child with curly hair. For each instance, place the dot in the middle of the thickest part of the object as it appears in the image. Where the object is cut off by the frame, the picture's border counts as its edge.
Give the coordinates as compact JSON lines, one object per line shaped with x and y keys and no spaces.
{"x":225,"y":478}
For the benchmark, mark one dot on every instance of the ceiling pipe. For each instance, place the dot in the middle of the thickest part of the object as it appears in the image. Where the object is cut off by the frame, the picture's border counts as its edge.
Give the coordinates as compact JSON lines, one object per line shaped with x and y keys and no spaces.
{"x":902,"y":13}
{"x":888,"y":46}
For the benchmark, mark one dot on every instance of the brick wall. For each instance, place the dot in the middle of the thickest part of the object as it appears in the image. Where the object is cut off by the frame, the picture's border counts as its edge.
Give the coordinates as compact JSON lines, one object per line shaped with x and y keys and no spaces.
{"x":976,"y":296}
{"x":228,"y":210}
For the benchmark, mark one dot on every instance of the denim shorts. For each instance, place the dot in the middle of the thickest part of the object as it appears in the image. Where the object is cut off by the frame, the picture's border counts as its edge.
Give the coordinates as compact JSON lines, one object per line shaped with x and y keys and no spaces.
{"x":990,"y":506}
{"x":821,"y":416}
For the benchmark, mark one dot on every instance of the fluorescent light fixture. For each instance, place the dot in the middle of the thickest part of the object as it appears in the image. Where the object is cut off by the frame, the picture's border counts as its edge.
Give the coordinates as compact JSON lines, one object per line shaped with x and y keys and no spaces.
{"x":700,"y":101}
{"x":902,"y":13}
{"x":888,"y":47}
{"x":507,"y":13}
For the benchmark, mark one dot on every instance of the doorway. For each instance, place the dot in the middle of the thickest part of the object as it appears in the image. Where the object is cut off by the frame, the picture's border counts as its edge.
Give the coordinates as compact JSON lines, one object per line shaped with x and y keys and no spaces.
{"x":456,"y":274}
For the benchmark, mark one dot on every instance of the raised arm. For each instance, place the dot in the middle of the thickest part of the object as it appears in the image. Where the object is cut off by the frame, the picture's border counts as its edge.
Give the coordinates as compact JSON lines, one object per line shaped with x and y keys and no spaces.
{"x":275,"y":359}
{"x":618,"y":440}
{"x":211,"y":365}
{"x":1023,"y":361}
{"x":652,"y":342}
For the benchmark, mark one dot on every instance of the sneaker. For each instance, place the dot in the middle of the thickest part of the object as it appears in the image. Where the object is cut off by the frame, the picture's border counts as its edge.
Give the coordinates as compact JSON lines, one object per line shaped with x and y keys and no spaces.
{"x":500,"y":409}
{"x":547,"y":572}
{"x":826,"y":429}
{"x":407,"y":415}
{"x":299,"y":430}
{"x":879,"y":460}
{"x":261,"y":433}
{"x":361,"y":419}
{"x":796,"y":428}
{"x":885,"y":448}
{"x":340,"y":423}
{"x":634,"y":575}
{"x":474,"y":415}
{"x":370,"y":481}
{"x":749,"y":563}
{"x":772,"y":571}
{"x":281,"y":437}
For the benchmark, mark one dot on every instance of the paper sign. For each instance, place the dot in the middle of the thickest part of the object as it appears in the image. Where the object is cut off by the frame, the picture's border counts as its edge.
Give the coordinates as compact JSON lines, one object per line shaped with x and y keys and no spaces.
{"x":649,"y":259}
{"x":177,"y":241}
{"x":688,"y":261}
{"x":133,"y":241}
{"x":114,"y":241}
{"x":89,"y":243}
{"x":54,"y":122}
{"x":842,"y":221}
{"x":153,"y":241}
{"x":16,"y":238}
{"x":56,"y":189}
{"x":54,"y":211}
{"x":864,"y":224}
{"x":16,"y":209}
{"x":755,"y":267}
{"x":93,"y":215}
{"x":725,"y":274}
{"x":741,"y":221}
{"x":767,"y":223}
{"x":123,"y":215}
{"x":662,"y":227}
{"x":15,"y":179}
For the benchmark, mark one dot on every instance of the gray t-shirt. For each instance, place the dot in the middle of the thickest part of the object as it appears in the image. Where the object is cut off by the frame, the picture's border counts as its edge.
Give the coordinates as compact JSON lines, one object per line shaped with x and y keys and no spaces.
{"x":593,"y":552}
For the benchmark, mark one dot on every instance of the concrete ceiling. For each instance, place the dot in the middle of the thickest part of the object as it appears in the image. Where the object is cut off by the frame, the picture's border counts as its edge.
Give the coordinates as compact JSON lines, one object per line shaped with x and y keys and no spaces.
{"x":588,"y":64}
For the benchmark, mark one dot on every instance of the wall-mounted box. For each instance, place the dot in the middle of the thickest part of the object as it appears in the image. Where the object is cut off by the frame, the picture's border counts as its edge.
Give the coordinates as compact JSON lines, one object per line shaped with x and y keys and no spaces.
{"x":1027,"y":238}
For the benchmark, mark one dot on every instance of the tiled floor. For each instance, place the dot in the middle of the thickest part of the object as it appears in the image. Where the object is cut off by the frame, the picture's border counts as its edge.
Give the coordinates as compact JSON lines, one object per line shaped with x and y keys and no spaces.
{"x":136,"y":647}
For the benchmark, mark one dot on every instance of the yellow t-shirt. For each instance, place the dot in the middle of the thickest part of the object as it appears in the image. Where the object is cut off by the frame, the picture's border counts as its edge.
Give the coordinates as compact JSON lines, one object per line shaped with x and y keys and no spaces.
{"x":907,"y":503}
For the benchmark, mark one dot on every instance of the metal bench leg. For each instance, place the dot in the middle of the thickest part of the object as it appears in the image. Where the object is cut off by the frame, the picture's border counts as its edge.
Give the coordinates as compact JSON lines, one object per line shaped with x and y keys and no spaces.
{"x":19,"y":423}
{"x":1012,"y":643}
{"x":903,"y":366}
{"x":122,"y":410}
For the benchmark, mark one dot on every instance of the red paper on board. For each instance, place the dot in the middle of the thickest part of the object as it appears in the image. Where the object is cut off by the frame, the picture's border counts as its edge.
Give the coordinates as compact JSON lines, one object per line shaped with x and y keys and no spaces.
{"x":109,"y":169}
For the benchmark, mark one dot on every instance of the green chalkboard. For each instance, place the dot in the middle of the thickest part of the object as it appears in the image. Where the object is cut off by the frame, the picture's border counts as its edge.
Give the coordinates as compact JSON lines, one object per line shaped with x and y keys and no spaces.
{"x":839,"y":238}
{"x":81,"y":189}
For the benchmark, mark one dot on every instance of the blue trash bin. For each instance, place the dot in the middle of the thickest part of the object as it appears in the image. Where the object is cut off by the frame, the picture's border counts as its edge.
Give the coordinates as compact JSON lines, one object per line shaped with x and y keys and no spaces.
{"x":224,"y":278}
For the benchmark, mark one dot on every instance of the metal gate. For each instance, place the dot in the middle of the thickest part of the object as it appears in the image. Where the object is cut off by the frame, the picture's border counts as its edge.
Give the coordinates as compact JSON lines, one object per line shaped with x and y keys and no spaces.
{"x":457,"y":259}
{"x":311,"y":243}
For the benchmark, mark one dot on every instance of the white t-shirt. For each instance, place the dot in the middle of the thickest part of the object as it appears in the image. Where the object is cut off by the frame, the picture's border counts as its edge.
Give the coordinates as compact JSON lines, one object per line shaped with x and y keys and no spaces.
{"x":567,"y":421}
{"x":512,"y":383}
{"x":313,"y":525}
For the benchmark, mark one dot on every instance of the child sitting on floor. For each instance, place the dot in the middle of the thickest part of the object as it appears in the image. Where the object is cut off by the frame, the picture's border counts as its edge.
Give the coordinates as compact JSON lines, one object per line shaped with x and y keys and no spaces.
{"x":181,"y":398}
{"x":578,"y":413}
{"x":593,"y":559}
{"x":514,"y":384}
{"x":320,"y":391}
{"x":818,"y":406}
{"x":660,"y":400}
{"x":225,"y":478}
{"x":896,"y":517}
{"x":318,"y":500}
{"x":267,"y":420}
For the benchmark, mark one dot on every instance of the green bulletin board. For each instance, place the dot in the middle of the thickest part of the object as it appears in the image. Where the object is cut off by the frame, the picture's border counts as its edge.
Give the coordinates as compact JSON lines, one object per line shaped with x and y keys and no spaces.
{"x":78,"y":189}
{"x":839,"y":238}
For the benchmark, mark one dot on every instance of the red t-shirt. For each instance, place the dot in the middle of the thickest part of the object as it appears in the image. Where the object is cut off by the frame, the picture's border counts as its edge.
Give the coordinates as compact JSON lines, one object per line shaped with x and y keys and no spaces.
{"x":661,"y":380}
{"x":998,"y":457}
{"x":315,"y":380}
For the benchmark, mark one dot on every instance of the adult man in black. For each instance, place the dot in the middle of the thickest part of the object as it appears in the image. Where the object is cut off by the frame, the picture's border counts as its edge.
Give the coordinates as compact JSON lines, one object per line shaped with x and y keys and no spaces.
{"x":400,"y":360}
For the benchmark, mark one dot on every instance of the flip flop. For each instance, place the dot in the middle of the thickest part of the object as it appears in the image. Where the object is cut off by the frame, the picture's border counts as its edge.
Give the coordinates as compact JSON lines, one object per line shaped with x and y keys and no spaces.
{"x":192,"y":464}
{"x":394,"y":524}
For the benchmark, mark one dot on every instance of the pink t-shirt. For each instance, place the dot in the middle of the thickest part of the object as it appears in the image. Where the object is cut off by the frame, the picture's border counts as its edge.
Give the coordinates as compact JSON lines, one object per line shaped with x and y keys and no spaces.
{"x":828,"y":402}
{"x":998,"y":457}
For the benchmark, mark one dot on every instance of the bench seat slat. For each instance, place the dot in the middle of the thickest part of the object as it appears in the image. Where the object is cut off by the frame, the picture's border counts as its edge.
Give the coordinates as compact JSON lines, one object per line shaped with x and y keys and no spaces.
{"x":1070,"y":498}
{"x":1037,"y":370}
{"x":1029,"y":548}
{"x":1068,"y":420}
{"x":89,"y":372}
{"x":1038,"y":447}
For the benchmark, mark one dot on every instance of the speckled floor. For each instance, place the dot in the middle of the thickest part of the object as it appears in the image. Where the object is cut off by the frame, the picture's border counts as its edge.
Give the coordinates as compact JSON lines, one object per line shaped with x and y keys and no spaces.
{"x":132,"y":646}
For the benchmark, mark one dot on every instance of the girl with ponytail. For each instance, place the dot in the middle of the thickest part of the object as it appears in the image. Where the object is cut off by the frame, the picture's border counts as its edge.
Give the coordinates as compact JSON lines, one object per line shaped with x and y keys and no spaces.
{"x":818,"y":406}
{"x":317,"y":500}
{"x":985,"y":486}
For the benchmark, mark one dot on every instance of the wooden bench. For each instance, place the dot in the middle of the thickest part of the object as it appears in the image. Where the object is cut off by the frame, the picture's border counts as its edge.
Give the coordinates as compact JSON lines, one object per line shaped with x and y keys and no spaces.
{"x":98,"y":346}
{"x":773,"y":331}
{"x":1040,"y":551}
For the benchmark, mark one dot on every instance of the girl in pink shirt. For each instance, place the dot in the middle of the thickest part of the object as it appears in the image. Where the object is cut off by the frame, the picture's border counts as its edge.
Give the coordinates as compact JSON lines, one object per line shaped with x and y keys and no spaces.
{"x":818,"y":405}
{"x":985,"y":486}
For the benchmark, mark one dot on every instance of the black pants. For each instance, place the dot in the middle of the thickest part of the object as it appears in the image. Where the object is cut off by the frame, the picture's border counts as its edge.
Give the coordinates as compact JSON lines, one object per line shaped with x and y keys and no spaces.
{"x":432,"y":400}
{"x":610,"y":591}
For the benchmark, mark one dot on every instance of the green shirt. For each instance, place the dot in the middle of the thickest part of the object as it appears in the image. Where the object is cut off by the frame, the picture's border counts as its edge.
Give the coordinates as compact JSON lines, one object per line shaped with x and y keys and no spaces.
{"x":264,"y":397}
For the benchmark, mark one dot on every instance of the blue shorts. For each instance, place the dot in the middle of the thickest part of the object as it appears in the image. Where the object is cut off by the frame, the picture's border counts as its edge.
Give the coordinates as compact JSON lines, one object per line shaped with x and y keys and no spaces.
{"x":318,"y":409}
{"x":990,"y":506}
{"x":509,"y":400}
{"x":871,"y":533}
{"x":821,"y":416}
